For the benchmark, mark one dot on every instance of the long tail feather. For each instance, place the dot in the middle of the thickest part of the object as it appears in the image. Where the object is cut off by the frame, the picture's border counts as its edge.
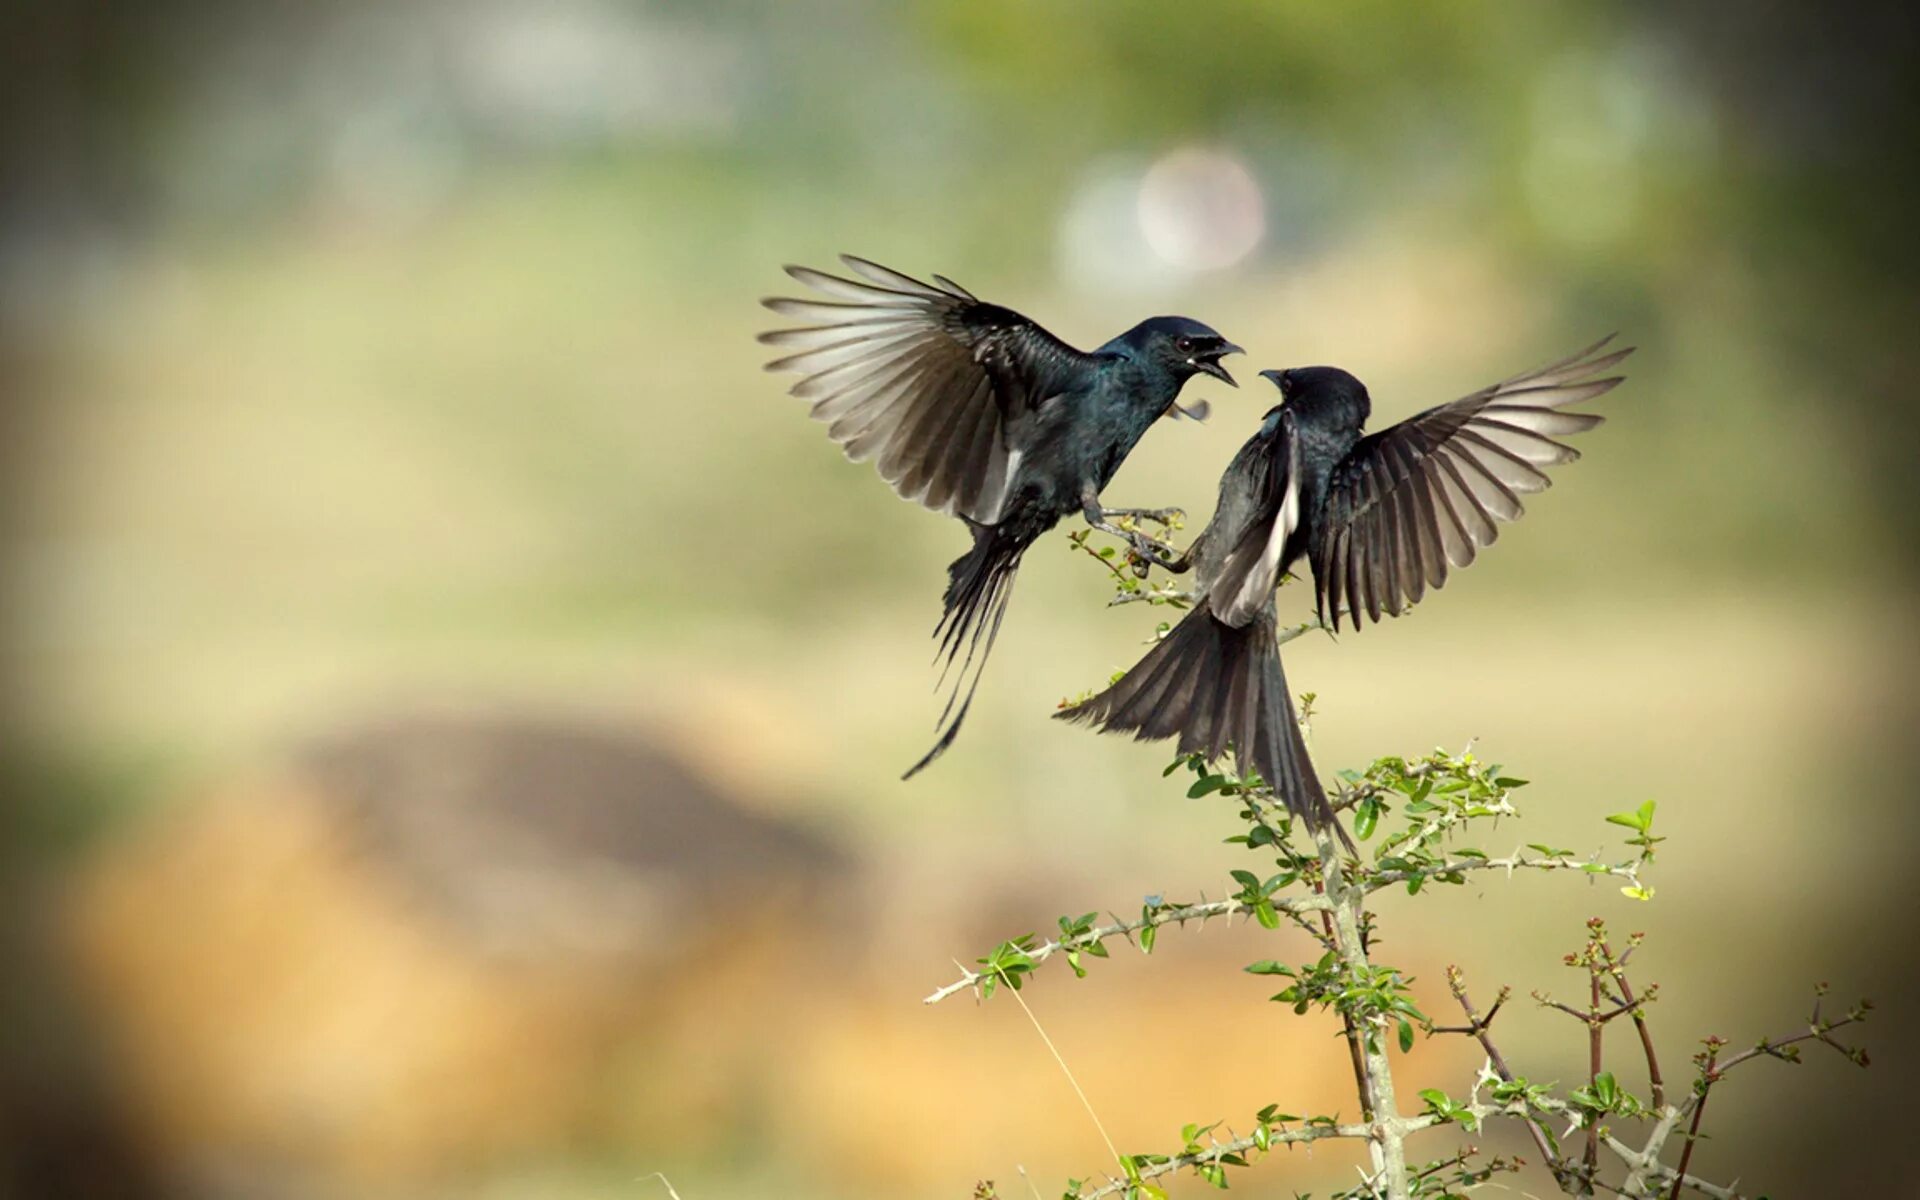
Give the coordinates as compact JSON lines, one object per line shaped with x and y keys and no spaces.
{"x":979,"y":586}
{"x":1213,"y":686}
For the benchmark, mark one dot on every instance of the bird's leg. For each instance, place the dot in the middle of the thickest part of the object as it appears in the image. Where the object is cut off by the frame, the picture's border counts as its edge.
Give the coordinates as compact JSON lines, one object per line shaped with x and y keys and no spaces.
{"x":1147,"y":551}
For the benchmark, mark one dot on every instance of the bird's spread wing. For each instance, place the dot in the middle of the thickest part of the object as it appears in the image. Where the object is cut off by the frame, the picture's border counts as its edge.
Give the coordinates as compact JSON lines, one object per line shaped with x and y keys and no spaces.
{"x":1243,"y":587}
{"x":1418,"y":498}
{"x":924,"y":378}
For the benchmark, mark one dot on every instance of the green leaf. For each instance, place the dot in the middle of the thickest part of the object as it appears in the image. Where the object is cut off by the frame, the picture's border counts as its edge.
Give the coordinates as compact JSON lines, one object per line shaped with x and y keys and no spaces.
{"x":1366,"y":817}
{"x":1406,"y":1037}
{"x":1640,"y":820}
{"x":1637,"y":893}
{"x":1205,"y":784}
{"x":1264,"y":913}
{"x":1147,"y":937}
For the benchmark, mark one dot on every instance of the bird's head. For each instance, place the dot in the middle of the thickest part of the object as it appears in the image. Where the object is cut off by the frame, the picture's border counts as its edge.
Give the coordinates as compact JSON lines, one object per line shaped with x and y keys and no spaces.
{"x":1323,"y":387}
{"x":1183,"y":347}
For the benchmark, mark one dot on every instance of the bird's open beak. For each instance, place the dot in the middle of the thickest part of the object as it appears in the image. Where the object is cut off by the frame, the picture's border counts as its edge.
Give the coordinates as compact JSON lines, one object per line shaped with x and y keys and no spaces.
{"x":1211,"y":363}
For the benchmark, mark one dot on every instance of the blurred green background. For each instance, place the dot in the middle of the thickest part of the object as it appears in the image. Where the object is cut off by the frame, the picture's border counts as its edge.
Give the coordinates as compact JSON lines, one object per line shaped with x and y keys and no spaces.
{"x":456,"y":698}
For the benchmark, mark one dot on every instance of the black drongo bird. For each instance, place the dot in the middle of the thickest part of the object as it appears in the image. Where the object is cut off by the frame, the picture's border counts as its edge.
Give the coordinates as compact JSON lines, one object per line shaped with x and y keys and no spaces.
{"x":1381,"y":518}
{"x":971,"y":409}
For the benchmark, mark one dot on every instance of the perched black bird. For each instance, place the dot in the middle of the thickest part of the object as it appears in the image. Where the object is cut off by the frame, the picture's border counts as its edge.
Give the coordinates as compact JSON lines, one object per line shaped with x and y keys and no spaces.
{"x":971,"y":409}
{"x":1381,"y":518}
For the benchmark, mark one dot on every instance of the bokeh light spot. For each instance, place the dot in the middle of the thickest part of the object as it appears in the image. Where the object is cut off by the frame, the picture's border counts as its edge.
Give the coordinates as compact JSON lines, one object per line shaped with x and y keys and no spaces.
{"x":1201,"y":210}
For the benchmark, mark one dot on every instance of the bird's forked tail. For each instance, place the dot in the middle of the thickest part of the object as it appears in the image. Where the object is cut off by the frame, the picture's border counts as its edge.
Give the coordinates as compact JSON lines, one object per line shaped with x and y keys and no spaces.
{"x":1212,"y":686}
{"x":979,"y":584}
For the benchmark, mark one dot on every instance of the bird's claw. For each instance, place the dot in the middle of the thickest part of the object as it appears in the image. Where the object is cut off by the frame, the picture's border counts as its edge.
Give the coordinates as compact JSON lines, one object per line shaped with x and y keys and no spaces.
{"x":1149,"y":552}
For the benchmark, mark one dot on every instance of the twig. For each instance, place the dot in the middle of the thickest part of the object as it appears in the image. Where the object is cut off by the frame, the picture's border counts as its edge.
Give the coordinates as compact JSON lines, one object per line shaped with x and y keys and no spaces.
{"x":1161,"y":916}
{"x":1479,"y":1027}
{"x":664,"y":1181}
{"x":1170,"y":595}
{"x":1707,"y":1078}
{"x":1817,"y":1030}
{"x":1617,"y":967}
{"x":1219,"y":1150}
{"x":1517,"y":861}
{"x":1291,"y":632}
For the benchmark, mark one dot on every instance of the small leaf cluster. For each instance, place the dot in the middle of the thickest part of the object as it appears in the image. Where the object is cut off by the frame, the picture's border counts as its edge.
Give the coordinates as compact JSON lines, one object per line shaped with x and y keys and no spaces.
{"x":1436,"y":796}
{"x":1203,"y":1153}
{"x":1446,"y":1109}
{"x":1371,"y":996}
{"x":1604,"y":1097}
{"x":1457,"y":1176}
{"x":1640,"y":820}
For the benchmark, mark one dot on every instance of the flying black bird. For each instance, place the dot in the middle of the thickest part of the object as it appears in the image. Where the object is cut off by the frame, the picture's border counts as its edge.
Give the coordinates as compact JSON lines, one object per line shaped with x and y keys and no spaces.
{"x":971,"y":409}
{"x":1381,"y":518}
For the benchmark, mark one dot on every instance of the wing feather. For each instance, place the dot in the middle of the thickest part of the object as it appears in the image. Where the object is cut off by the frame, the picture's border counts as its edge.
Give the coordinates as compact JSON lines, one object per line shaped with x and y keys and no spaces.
{"x":925,"y":379}
{"x":1419,"y":499}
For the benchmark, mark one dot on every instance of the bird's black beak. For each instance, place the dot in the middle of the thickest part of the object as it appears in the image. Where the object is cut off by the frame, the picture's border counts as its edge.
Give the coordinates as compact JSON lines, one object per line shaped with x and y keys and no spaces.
{"x":1211,"y":362}
{"x":1274,"y":375}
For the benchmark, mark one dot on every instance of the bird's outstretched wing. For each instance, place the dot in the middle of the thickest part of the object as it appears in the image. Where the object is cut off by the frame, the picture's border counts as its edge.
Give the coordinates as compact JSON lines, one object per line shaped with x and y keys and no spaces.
{"x":1418,"y":498}
{"x":924,"y":378}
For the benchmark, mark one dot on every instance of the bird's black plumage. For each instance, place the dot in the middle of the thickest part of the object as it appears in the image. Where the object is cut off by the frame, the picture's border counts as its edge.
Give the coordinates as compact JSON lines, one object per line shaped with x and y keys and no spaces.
{"x":1381,"y":518}
{"x":971,"y":409}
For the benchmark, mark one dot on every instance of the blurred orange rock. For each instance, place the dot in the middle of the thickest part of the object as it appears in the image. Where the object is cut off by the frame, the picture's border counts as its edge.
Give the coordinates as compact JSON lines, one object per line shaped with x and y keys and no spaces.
{"x":440,"y":943}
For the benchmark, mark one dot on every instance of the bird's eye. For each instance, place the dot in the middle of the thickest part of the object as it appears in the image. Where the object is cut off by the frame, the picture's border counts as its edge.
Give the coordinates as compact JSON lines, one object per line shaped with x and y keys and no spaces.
{"x":1183,"y":345}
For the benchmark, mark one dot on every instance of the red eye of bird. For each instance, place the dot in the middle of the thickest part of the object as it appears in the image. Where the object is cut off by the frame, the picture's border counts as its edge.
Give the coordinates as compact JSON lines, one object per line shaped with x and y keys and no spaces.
{"x":1183,"y":345}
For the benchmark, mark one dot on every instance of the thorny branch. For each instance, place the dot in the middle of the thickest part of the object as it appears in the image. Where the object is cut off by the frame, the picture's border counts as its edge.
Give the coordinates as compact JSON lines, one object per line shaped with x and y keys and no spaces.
{"x":1156,"y":917}
{"x":1218,"y":1151}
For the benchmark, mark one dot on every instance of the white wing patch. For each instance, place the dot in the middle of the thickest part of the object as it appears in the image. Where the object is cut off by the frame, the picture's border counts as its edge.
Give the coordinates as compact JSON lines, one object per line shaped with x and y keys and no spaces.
{"x":999,"y":482}
{"x":1256,"y":587}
